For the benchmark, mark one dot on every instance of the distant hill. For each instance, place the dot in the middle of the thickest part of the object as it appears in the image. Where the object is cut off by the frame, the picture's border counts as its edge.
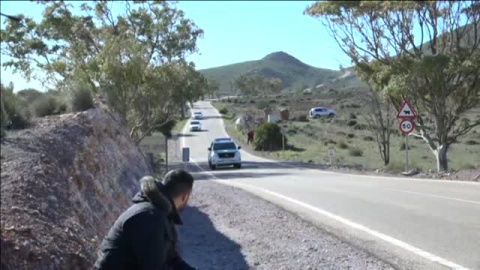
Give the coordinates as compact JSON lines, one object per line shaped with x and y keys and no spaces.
{"x":295,"y":75}
{"x":298,"y":76}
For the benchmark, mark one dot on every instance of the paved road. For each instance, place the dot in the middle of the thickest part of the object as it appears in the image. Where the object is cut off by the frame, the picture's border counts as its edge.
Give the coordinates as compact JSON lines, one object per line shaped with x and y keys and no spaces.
{"x":412,"y":224}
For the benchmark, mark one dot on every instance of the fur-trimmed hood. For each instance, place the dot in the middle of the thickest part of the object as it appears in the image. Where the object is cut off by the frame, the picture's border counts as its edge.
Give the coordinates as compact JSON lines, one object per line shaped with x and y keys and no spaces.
{"x":154,"y":191}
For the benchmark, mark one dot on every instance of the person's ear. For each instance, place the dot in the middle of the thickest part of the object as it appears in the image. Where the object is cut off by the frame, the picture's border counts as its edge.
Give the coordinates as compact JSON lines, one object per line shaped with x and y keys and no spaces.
{"x":185,"y":197}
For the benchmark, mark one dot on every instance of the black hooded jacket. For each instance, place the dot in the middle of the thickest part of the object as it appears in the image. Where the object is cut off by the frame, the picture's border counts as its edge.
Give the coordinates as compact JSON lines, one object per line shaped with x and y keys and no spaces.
{"x":144,"y":236}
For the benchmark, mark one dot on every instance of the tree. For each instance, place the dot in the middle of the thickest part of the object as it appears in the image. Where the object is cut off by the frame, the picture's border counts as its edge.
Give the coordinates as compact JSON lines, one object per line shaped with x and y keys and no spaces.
{"x":440,"y":76}
{"x":266,"y":107}
{"x":190,"y":85}
{"x":380,"y":119}
{"x":255,"y":84}
{"x":242,"y":84}
{"x":274,"y":85}
{"x":130,"y":58}
{"x":212,"y":87}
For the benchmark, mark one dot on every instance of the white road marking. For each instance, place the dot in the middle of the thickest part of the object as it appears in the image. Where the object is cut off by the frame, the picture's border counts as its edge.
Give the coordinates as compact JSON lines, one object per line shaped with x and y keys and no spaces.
{"x":433,"y":196}
{"x":386,"y":238}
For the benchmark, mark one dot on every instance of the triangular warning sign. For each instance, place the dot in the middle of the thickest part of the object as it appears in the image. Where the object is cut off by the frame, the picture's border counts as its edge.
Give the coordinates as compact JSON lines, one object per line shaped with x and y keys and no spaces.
{"x":407,"y":111}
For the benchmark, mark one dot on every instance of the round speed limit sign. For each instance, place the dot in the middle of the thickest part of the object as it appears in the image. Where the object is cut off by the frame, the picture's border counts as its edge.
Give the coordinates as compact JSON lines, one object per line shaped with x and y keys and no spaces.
{"x":407,"y":126}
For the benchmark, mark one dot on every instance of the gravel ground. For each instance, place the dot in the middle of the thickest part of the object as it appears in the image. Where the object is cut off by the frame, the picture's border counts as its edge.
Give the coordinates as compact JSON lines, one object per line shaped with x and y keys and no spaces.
{"x":227,"y":228}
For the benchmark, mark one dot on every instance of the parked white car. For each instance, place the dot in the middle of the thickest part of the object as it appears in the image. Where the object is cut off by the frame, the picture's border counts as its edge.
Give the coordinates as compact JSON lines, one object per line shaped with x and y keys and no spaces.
{"x":322,"y":112}
{"x":195,"y":126}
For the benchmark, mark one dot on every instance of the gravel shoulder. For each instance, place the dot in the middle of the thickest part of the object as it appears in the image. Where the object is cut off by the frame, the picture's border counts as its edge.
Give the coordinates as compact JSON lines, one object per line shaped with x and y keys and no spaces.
{"x":227,"y":228}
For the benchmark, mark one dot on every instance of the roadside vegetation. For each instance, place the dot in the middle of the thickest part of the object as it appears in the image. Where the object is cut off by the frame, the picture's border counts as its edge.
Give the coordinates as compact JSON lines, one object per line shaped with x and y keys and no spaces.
{"x":136,"y":61}
{"x":309,"y":140}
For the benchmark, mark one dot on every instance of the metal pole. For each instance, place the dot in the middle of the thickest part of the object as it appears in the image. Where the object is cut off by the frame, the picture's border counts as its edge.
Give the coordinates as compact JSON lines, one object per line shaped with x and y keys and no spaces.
{"x":166,"y":153}
{"x":406,"y":153}
{"x":283,"y":142}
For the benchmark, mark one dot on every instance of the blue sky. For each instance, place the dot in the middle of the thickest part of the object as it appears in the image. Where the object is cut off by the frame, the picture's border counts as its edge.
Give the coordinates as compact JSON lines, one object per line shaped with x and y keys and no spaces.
{"x":235,"y":31}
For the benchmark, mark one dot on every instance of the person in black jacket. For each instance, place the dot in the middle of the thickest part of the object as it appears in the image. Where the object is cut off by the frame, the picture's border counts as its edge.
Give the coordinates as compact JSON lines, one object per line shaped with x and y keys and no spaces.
{"x":144,"y":236}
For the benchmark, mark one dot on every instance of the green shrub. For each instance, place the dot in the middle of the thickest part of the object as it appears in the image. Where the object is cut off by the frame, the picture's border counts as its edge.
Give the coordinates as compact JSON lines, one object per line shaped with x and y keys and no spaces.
{"x":81,"y":100}
{"x":343,"y":145}
{"x":252,"y":101}
{"x":13,"y":112}
{"x":30,"y":95}
{"x":351,"y":135}
{"x":301,"y":118}
{"x":360,"y":127}
{"x":268,"y":137}
{"x":46,"y":105}
{"x":368,"y":139}
{"x":330,"y":141}
{"x":341,"y":133}
{"x":272,"y":101}
{"x":467,"y":166}
{"x":223,"y":110}
{"x":353,"y":116}
{"x":351,"y":123}
{"x":395,"y":167}
{"x":355,"y":152}
{"x":403,"y":146}
{"x":471,"y":142}
{"x":355,"y":106}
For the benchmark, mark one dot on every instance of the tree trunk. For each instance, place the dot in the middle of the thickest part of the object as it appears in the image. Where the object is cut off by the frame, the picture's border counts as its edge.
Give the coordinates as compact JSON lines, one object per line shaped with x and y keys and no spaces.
{"x":386,"y":153}
{"x":183,"y":111}
{"x":441,"y":157}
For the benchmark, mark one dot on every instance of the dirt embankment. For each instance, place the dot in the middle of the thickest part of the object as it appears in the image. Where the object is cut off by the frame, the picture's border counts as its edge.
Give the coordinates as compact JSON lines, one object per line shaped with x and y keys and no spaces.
{"x":63,"y":183}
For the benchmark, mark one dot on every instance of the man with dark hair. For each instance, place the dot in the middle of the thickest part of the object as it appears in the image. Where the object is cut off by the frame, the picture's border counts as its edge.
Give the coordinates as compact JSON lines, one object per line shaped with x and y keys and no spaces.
{"x":144,"y":236}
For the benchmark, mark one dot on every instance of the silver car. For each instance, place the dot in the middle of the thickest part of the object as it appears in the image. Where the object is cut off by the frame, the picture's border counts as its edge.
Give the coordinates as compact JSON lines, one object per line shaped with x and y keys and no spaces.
{"x":224,"y":153}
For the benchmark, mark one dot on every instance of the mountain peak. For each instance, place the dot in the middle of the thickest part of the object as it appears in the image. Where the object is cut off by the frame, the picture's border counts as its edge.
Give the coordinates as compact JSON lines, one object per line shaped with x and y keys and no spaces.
{"x":282,"y":57}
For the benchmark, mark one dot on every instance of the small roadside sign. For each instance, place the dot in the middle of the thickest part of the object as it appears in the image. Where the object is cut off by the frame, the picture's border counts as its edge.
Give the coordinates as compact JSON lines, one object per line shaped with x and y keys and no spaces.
{"x":407,"y":111}
{"x":407,"y":126}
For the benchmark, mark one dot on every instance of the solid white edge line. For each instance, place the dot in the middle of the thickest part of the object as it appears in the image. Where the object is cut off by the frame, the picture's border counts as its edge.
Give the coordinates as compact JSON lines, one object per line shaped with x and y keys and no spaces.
{"x":386,"y":238}
{"x":433,"y":196}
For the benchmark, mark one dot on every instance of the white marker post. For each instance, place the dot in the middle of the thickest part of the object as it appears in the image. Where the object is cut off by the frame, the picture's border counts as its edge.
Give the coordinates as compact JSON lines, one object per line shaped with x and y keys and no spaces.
{"x":407,"y":113}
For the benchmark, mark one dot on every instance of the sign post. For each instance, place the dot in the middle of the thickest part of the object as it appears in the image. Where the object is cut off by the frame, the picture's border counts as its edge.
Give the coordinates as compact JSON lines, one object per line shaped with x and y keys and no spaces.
{"x":407,"y":113}
{"x":331,"y":154}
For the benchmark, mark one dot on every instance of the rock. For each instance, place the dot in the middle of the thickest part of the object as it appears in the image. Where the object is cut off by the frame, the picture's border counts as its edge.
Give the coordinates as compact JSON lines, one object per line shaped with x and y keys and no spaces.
{"x":81,"y":171}
{"x":52,"y":199}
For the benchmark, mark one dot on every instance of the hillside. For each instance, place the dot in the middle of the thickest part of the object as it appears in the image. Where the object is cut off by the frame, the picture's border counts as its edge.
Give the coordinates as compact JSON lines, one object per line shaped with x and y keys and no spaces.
{"x":295,"y":75}
{"x":64,"y":181}
{"x":298,"y":76}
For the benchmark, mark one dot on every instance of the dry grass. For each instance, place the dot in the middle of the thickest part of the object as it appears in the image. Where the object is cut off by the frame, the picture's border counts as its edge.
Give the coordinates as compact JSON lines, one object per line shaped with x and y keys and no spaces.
{"x":316,"y":136}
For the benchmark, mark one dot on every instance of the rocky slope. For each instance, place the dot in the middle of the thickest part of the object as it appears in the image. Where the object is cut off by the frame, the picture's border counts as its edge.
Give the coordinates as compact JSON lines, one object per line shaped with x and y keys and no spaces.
{"x":63,"y":183}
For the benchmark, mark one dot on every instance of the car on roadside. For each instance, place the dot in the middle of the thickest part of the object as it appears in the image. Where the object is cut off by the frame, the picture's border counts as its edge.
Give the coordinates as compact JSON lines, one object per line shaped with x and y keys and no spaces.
{"x":318,"y":112}
{"x":224,"y":152}
{"x":223,"y":139}
{"x":197,"y":115}
{"x":195,"y":126}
